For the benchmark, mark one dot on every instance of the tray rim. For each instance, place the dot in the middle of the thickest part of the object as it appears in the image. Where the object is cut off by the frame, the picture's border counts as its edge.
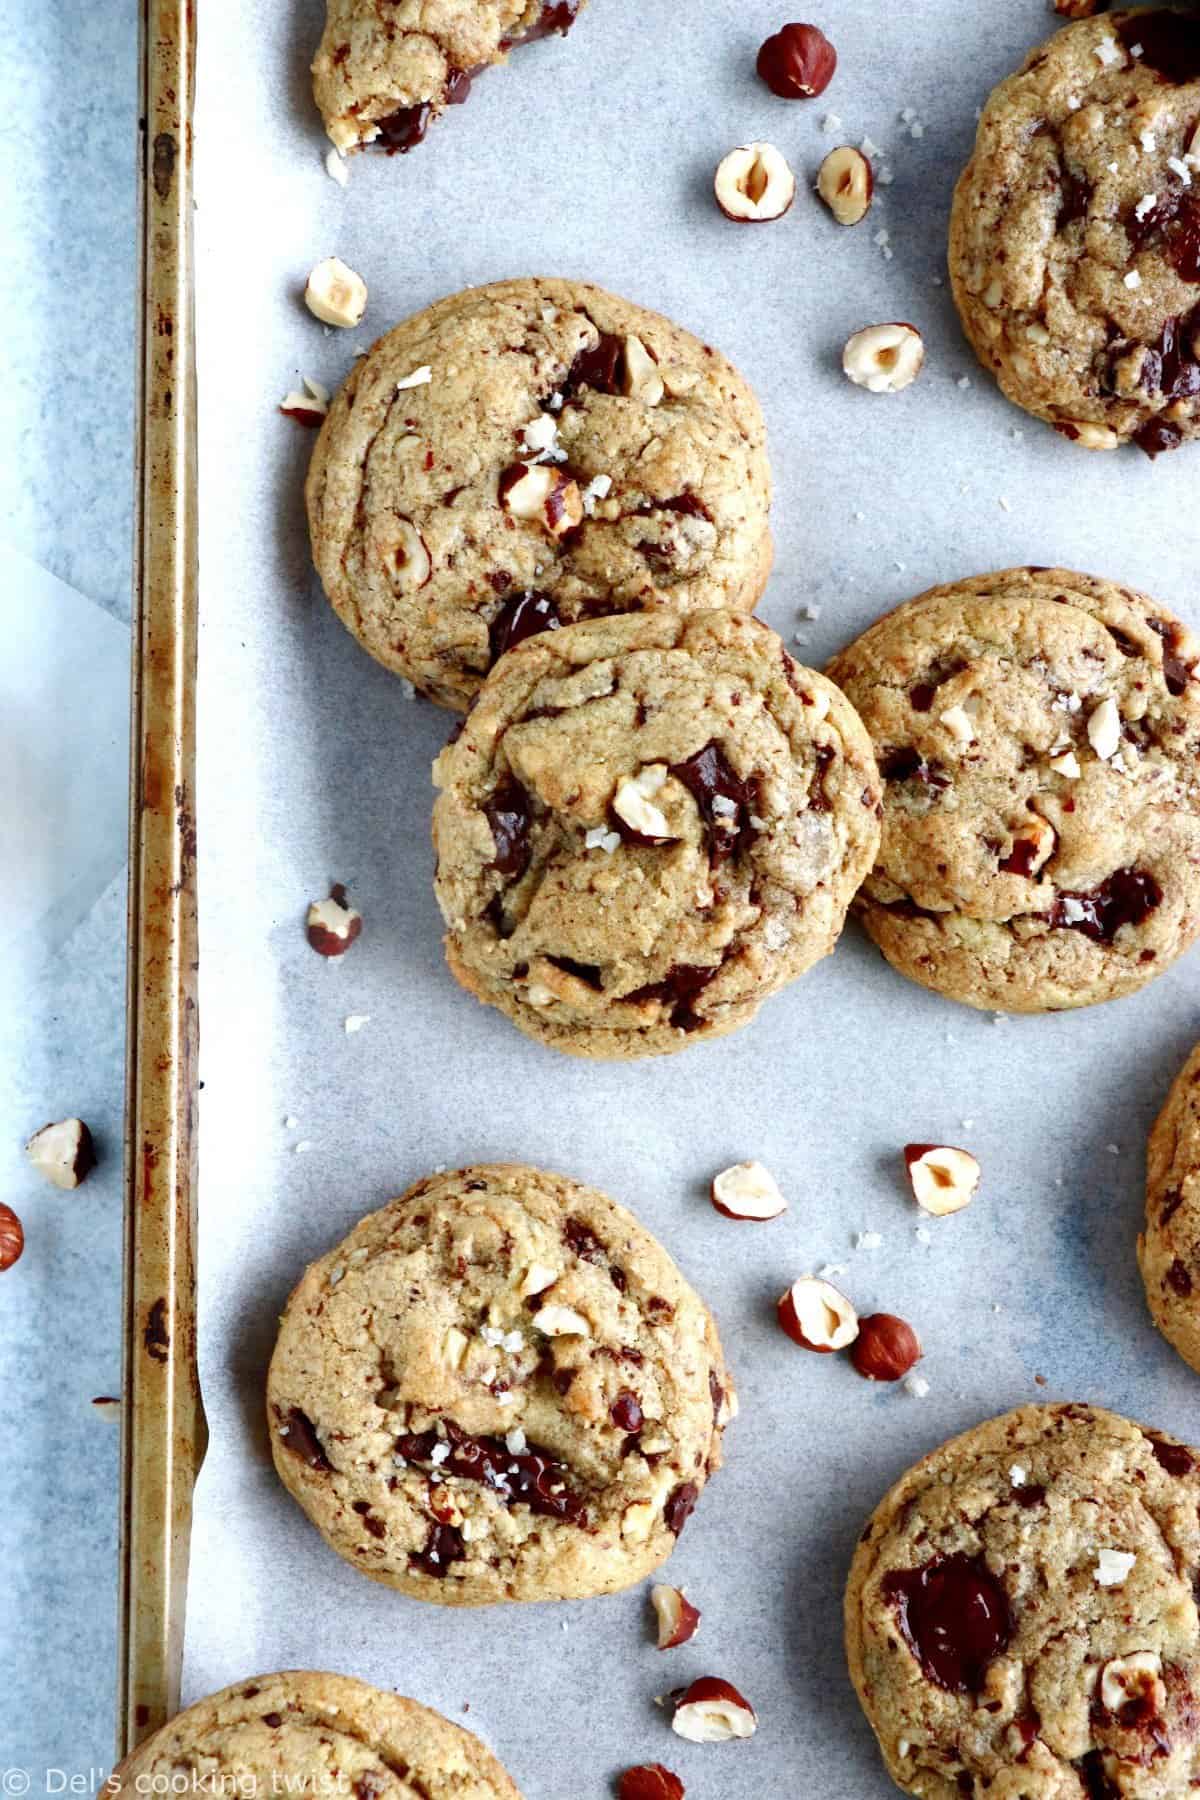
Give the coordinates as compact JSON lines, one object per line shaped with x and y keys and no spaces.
{"x":162,"y":1417}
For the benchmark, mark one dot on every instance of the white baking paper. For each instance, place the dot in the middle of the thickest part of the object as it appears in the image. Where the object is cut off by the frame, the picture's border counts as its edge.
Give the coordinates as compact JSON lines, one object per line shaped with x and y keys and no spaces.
{"x":593,"y":157}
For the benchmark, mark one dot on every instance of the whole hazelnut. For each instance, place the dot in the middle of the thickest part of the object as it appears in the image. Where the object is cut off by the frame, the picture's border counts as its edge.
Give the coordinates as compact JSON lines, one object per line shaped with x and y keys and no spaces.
{"x":12,"y":1237}
{"x":650,"y":1781}
{"x":886,"y":1348}
{"x":798,"y":62}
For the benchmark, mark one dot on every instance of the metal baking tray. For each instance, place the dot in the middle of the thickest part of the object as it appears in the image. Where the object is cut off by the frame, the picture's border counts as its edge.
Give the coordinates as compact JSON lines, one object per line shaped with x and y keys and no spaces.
{"x":162,"y":1433}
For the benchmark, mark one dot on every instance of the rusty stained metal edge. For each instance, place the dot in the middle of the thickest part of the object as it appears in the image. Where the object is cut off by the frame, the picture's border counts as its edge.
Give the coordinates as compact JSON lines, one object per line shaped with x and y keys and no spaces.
{"x":163,"y":1429}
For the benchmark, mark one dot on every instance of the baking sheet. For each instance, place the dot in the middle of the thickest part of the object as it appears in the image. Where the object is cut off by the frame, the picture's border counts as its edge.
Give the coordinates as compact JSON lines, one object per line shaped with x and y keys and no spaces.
{"x":593,"y":157}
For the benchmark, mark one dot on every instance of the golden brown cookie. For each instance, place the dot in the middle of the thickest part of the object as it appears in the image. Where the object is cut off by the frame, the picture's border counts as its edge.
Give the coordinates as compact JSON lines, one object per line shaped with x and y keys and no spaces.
{"x":525,"y":455}
{"x":1021,"y":1613}
{"x":310,"y":1734}
{"x":1169,"y":1247}
{"x":383,"y":74}
{"x":498,"y":1387}
{"x":1038,"y":732}
{"x":1075,"y":234}
{"x":647,"y":826}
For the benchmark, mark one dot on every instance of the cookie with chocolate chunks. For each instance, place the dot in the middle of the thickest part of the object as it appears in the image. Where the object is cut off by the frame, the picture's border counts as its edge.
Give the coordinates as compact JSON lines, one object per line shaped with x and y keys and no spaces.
{"x":498,"y":1387}
{"x":306,"y":1733}
{"x":382,"y":75}
{"x":1021,"y":1614}
{"x":1075,"y":232}
{"x":647,"y":826}
{"x":1039,"y":736}
{"x":525,"y":455}
{"x":1169,"y":1247}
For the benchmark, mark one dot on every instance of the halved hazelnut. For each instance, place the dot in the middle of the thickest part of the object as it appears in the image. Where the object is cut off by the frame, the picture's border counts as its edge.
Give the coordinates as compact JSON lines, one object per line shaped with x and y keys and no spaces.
{"x":536,"y":1279}
{"x":411,"y":559}
{"x":886,"y":1347}
{"x":677,"y":1617}
{"x":633,"y":804}
{"x":711,"y":1711}
{"x":797,"y":62}
{"x":943,"y":1179}
{"x":1104,"y":728}
{"x":816,"y":1316}
{"x":332,"y":925}
{"x":64,"y":1153}
{"x":12,"y":1237}
{"x":561,"y":1321}
{"x":884,"y":358}
{"x":747,"y":1191}
{"x":649,"y":1781}
{"x":754,"y":184}
{"x":846,"y":183}
{"x":1133,"y":1681}
{"x":640,"y":377}
{"x":542,"y":492}
{"x":335,"y":294}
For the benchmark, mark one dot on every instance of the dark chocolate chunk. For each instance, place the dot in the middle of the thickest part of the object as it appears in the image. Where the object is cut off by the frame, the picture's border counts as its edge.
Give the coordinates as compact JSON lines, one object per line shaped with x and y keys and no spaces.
{"x":302,"y":1440}
{"x":709,"y":779}
{"x":1128,"y":897}
{"x":522,"y":616}
{"x":681,"y":1503}
{"x":955,"y":1617}
{"x":531,"y":1478}
{"x":510,"y":815}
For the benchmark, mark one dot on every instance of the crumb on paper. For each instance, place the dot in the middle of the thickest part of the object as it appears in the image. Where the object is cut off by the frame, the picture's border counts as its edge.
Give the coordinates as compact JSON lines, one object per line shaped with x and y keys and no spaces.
{"x":917,"y":1386}
{"x":354,"y":1022}
{"x":336,"y":167}
{"x":868,"y":1240}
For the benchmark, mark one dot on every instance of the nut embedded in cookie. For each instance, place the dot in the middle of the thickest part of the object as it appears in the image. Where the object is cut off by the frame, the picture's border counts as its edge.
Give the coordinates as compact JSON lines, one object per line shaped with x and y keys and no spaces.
{"x":647,"y":825}
{"x":1075,"y":232}
{"x":1038,"y":732}
{"x":499,"y":1387}
{"x":527,"y":455}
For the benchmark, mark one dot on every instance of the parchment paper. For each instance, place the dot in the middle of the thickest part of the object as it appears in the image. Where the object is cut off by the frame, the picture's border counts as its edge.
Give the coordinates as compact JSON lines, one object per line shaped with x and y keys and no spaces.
{"x":594,"y":157}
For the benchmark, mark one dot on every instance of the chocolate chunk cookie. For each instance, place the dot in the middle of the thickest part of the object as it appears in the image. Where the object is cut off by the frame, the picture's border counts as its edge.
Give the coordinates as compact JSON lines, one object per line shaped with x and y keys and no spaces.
{"x":524,"y":455}
{"x":1038,"y":733}
{"x":1075,"y":235}
{"x":647,"y":825}
{"x":1021,"y":1614}
{"x":499,"y":1387}
{"x":382,"y":74}
{"x":1169,"y":1248}
{"x":300,"y":1733}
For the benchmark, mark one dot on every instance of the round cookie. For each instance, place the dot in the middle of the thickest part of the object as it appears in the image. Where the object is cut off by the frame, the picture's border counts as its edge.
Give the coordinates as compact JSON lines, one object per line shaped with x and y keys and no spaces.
{"x":304,"y":1733}
{"x":647,"y":825}
{"x":383,"y":77}
{"x":1038,"y":732}
{"x":499,"y":1387}
{"x":524,"y":455}
{"x":1169,"y":1247}
{"x":1075,"y":232}
{"x":1021,"y":1617}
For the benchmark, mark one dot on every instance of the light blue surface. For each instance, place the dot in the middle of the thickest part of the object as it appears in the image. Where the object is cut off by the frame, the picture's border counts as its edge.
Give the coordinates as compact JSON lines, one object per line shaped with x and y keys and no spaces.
{"x":68,"y":97}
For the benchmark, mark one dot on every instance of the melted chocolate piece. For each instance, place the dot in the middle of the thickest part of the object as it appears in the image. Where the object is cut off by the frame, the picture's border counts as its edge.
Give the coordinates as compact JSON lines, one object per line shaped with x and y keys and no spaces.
{"x":531,"y":1478}
{"x":1021,"y":857}
{"x":906,"y":764}
{"x":302,"y":1440}
{"x":509,"y":814}
{"x":1170,"y":43}
{"x":921,"y":697}
{"x":681,"y":986}
{"x":522,"y":616}
{"x":582,"y":1241}
{"x":403,"y":130}
{"x":626,"y":1412}
{"x":1075,"y":198}
{"x":709,"y":778}
{"x":1176,"y":1459}
{"x":1029,"y":1494}
{"x":1176,"y":672}
{"x":1095,"y":1777}
{"x":555,"y":16}
{"x":955,"y":1618}
{"x":1172,"y":1201}
{"x":1179,"y":1279}
{"x":458,"y":86}
{"x":1170,"y":368}
{"x":272,"y":1720}
{"x":444,"y":1546}
{"x":375,"y":1526}
{"x":1158,"y":436}
{"x":1175,"y":224}
{"x":681,"y":1504}
{"x":1128,"y":897}
{"x":602,"y":369}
